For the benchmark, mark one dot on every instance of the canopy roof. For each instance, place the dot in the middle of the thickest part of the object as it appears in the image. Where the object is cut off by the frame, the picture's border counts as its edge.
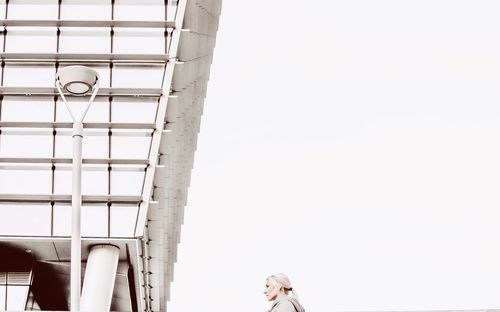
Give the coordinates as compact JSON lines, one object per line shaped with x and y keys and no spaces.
{"x":153,"y":61}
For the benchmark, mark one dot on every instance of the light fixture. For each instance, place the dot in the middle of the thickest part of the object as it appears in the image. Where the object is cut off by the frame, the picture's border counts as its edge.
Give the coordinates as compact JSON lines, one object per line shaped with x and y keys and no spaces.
{"x":77,"y":79}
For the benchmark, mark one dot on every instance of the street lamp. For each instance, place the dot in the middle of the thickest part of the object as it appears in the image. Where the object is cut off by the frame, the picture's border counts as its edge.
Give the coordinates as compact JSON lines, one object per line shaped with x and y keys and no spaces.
{"x":78,"y":81}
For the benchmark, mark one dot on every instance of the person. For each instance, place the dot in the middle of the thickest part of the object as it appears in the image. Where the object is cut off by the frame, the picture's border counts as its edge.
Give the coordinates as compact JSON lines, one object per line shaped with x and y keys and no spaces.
{"x":278,"y":287}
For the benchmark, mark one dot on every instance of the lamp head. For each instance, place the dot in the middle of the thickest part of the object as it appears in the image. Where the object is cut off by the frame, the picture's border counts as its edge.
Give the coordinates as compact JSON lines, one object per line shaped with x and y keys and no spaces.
{"x":77,"y":80}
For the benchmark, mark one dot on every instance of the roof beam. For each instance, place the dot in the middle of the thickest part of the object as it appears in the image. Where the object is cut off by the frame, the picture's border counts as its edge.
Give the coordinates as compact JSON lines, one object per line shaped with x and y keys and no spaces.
{"x":30,"y":198}
{"x":130,"y":92}
{"x":85,"y":57}
{"x":87,"y":23}
{"x":90,"y":161}
{"x":89,"y":125}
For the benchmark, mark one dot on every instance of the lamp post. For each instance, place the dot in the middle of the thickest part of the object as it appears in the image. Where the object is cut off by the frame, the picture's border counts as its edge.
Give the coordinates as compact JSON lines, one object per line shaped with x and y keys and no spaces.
{"x":78,"y":81}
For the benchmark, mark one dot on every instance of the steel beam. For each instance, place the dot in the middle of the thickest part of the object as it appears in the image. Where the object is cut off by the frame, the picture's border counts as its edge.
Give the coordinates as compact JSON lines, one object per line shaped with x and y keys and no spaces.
{"x":128,"y":92}
{"x":89,"y":161}
{"x":85,"y":57}
{"x":31,"y":198}
{"x":68,"y":125}
{"x":87,"y":23}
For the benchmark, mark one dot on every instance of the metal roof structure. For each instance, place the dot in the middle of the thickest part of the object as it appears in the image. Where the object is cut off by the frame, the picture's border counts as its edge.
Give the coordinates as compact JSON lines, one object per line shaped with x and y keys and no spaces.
{"x":153,"y":58}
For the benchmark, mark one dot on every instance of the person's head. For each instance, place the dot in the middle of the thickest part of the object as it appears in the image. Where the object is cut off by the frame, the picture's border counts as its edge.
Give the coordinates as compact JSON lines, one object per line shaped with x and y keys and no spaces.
{"x":278,"y":285}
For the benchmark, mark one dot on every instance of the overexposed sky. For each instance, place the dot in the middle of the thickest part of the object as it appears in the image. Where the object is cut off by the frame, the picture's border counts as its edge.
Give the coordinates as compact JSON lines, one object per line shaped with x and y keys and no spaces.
{"x":354,"y":145}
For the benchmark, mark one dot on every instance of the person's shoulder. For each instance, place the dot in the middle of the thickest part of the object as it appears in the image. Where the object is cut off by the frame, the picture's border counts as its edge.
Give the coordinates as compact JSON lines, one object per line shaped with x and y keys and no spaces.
{"x":284,"y":305}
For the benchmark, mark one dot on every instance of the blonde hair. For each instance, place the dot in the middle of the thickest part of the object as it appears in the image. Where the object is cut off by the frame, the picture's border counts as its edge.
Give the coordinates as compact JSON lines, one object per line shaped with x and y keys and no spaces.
{"x":282,"y":281}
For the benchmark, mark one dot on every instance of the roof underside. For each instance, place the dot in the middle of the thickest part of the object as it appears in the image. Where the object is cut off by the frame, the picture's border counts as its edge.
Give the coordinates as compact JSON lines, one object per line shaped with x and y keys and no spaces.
{"x":153,"y":58}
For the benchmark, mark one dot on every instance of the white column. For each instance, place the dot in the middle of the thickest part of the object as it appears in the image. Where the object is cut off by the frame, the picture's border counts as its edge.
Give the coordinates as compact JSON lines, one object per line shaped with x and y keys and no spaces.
{"x":99,"y":278}
{"x":76,"y":203}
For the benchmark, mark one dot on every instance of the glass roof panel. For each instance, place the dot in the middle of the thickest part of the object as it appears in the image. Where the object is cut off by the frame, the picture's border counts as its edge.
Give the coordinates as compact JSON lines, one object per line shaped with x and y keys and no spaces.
{"x":26,"y":145}
{"x":29,"y":75}
{"x":25,"y":219}
{"x":130,"y":147}
{"x":62,"y":220}
{"x":145,"y":10}
{"x":62,"y":181}
{"x":85,"y":40}
{"x":95,"y":144}
{"x":93,"y":182}
{"x":171,"y":10}
{"x":2,"y":8}
{"x":38,"y":9}
{"x":86,"y":10}
{"x":126,"y":182}
{"x":123,"y":219}
{"x":32,"y":40}
{"x":134,"y":110}
{"x":141,"y":41}
{"x":32,"y":108}
{"x":63,"y":145}
{"x":94,"y":220}
{"x":98,"y":111}
{"x":125,"y":76}
{"x":77,"y":106}
{"x":1,"y":39}
{"x":25,"y":181}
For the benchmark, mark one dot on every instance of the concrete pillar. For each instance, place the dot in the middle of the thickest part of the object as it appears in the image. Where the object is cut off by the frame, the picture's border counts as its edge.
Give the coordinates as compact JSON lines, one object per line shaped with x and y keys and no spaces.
{"x":99,"y":278}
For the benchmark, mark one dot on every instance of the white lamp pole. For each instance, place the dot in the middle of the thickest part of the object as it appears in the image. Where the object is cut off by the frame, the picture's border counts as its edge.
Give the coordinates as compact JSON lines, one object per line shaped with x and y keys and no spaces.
{"x":79,"y":81}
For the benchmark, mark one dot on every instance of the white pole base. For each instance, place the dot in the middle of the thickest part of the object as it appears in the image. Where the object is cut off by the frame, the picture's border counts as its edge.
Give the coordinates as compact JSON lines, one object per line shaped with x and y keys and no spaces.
{"x":99,"y":278}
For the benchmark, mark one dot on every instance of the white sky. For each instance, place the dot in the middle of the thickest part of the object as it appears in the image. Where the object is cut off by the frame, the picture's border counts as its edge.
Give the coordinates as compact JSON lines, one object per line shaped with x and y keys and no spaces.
{"x":354,"y":145}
